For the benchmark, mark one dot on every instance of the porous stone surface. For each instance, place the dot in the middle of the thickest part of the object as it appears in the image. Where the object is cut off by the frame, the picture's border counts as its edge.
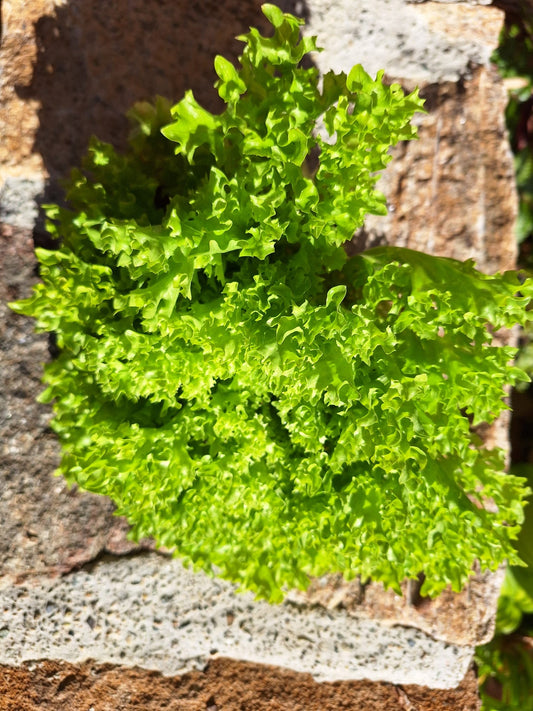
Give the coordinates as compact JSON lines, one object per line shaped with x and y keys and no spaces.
{"x":65,"y":76}
{"x":454,"y":2}
{"x":147,"y":611}
{"x":465,"y":618}
{"x":425,"y":43}
{"x":451,"y":192}
{"x":45,"y":527}
{"x":19,"y":196}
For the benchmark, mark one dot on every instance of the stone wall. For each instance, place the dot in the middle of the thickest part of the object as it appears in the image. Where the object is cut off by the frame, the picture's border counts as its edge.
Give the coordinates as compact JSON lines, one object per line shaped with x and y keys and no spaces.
{"x":71,"y":70}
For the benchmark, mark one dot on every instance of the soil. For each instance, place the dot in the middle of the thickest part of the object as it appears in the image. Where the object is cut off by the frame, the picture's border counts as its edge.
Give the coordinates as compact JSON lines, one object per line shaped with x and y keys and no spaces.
{"x":225,"y":685}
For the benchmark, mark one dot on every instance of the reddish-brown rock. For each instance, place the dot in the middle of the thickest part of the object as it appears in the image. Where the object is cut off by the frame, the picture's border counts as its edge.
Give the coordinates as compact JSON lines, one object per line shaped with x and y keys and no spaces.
{"x":46,"y":527}
{"x":224,"y":686}
{"x":452,"y":191}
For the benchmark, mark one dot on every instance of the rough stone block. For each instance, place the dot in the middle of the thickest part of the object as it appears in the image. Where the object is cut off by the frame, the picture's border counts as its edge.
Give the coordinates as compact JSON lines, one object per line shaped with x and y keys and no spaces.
{"x":146,"y":611}
{"x":224,"y":685}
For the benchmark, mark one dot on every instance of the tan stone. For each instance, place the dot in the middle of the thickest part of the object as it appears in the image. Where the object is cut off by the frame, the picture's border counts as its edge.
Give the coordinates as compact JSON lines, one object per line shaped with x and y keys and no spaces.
{"x":72,"y":70}
{"x":18,"y":115}
{"x":465,"y":618}
{"x":458,"y":21}
{"x":452,"y":192}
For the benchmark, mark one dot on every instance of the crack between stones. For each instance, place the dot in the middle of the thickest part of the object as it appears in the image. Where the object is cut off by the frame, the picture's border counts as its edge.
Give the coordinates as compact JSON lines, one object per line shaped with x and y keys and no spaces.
{"x":59,"y":571}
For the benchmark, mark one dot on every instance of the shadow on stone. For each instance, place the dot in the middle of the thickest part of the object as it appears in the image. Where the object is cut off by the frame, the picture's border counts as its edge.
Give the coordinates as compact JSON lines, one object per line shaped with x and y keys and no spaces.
{"x":95,"y":60}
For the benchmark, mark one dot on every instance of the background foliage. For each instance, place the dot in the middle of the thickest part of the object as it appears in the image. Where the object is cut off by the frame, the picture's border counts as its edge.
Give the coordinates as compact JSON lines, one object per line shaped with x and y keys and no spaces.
{"x":514,"y":59}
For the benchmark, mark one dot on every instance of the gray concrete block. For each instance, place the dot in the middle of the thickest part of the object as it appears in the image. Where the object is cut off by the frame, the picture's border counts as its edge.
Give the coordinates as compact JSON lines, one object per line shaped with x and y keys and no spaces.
{"x":399,"y":37}
{"x":449,"y":2}
{"x":19,"y":200}
{"x":147,"y":610}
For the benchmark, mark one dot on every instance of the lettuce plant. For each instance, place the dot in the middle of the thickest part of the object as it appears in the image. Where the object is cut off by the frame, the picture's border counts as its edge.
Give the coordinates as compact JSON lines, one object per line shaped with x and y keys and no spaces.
{"x":259,"y":403}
